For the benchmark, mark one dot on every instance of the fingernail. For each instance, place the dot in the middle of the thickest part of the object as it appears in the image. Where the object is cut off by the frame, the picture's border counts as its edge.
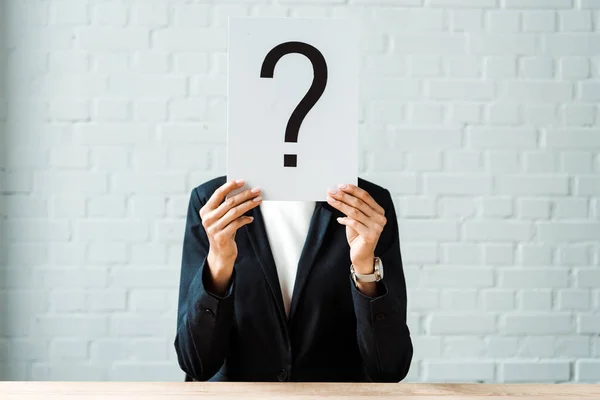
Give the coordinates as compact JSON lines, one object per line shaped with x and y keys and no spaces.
{"x":342,"y":186}
{"x":330,"y":199}
{"x":332,"y":191}
{"x":255,"y":190}
{"x":257,"y":198}
{"x":239,"y":181}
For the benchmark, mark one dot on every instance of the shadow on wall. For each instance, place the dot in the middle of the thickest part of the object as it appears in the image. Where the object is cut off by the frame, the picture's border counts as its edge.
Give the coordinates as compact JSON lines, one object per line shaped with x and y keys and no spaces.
{"x":4,"y":317}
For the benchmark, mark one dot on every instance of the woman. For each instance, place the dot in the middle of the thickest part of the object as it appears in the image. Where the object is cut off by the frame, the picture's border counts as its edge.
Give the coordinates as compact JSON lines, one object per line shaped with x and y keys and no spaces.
{"x":292,"y":291}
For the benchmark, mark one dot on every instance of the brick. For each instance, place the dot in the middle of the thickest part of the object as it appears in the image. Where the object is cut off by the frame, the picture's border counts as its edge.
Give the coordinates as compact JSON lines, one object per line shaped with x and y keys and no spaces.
{"x":498,"y":254}
{"x":19,"y":349}
{"x":170,"y":231}
{"x":463,"y":161}
{"x":150,"y":110}
{"x":504,"y":21}
{"x":396,"y":183}
{"x":461,"y":254}
{"x":571,"y":208}
{"x":589,"y":91}
{"x":501,"y":346}
{"x":67,"y":301}
{"x":576,"y":162}
{"x":72,"y":326}
{"x":533,"y":208}
{"x":424,"y":65}
{"x":26,"y":254}
{"x":503,"y":114}
{"x":107,"y":300}
{"x":134,"y":371}
{"x":532,"y":185}
{"x":445,"y":276}
{"x":587,"y":371}
{"x":582,"y":139}
{"x":149,"y":158}
{"x":534,"y":278}
{"x":413,"y":230}
{"x":75,"y":157}
{"x":503,"y":44}
{"x":548,"y":4}
{"x":573,"y":254}
{"x":588,"y":324}
{"x":154,"y":277}
{"x":113,"y":15}
{"x":430,"y":346}
{"x":69,"y":12}
{"x":497,"y":230}
{"x":191,"y":15}
{"x":574,"y":67}
{"x":106,"y":206}
{"x":110,"y":350}
{"x":143,"y":183}
{"x":587,"y":186}
{"x":67,"y":254}
{"x":68,"y":61}
{"x":538,"y":324}
{"x":535,"y":371}
{"x":576,"y":346}
{"x":150,"y":62}
{"x":498,"y":299}
{"x":461,"y":90}
{"x":539,"y":300}
{"x":463,"y":67}
{"x":149,"y":301}
{"x":191,"y":63}
{"x":453,"y":324}
{"x":111,"y":110}
{"x":539,"y":21}
{"x":573,"y":299}
{"x":24,"y":206}
{"x":147,"y":85}
{"x":466,"y":20}
{"x":574,"y":44}
{"x":536,"y":67}
{"x":503,"y":161}
{"x":452,"y":371}
{"x":28,"y":230}
{"x":113,"y":39}
{"x":423,"y":299}
{"x":463,"y":3}
{"x":419,"y":253}
{"x":112,"y":133}
{"x":540,"y":114}
{"x":587,"y":277}
{"x":67,"y":371}
{"x":150,"y":14}
{"x":568,"y":231}
{"x":148,"y":254}
{"x":579,"y":115}
{"x":456,"y":207}
{"x":138,"y":326}
{"x":109,"y":158}
{"x":575,"y":21}
{"x":68,"y":349}
{"x":116,"y":230}
{"x":457,"y":184}
{"x":463,"y":347}
{"x":537,"y":346}
{"x":68,"y":110}
{"x":148,"y":206}
{"x":421,"y":138}
{"x":426,"y":113}
{"x":107,"y":253}
{"x":417,"y":207}
{"x":178,"y":39}
{"x":504,"y":66}
{"x":429,"y":43}
{"x":533,"y":91}
{"x":459,"y":299}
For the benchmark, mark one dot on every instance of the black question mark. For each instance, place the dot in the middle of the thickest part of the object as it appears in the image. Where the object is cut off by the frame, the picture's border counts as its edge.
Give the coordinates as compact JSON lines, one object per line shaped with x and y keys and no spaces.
{"x":312,"y":96}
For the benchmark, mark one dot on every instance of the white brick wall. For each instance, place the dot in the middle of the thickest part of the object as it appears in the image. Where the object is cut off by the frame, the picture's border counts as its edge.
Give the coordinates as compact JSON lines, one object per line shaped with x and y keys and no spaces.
{"x":482,"y":118}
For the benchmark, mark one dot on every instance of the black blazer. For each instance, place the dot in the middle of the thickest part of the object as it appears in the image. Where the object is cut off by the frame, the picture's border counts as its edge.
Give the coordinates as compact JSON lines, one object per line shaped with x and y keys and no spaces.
{"x":334,"y":332}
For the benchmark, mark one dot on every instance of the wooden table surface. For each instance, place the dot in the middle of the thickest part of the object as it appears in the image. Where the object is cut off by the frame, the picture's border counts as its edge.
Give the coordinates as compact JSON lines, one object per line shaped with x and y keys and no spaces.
{"x":296,"y":391}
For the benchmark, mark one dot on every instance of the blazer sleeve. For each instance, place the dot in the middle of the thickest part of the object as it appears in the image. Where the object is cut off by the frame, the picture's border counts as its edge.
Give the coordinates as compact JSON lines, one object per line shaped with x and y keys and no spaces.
{"x":383,"y":336}
{"x":204,"y":319}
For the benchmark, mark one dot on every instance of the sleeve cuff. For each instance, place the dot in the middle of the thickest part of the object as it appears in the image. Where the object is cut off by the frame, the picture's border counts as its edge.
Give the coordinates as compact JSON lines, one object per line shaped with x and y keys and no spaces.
{"x":371,"y":308}
{"x":204,"y":303}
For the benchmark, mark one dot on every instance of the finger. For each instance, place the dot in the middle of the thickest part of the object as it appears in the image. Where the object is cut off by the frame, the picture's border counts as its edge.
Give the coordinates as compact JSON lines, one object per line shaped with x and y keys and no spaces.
{"x":350,"y":211}
{"x":219,"y":195}
{"x":235,"y":213}
{"x":360,"y":228}
{"x":359,"y":204}
{"x":236,"y":224}
{"x":364,"y":196}
{"x":233,"y":201}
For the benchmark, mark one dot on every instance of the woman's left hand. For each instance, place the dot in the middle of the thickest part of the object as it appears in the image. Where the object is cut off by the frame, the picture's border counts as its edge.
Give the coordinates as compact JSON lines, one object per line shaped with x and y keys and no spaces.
{"x":364,"y":223}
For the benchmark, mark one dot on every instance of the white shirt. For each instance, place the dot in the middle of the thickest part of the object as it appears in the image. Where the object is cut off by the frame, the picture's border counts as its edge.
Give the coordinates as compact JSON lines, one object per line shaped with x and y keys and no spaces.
{"x":287,"y":223}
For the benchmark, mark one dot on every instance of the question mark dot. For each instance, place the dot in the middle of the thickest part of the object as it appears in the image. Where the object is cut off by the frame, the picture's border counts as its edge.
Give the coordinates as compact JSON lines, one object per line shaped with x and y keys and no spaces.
{"x":290,"y":160}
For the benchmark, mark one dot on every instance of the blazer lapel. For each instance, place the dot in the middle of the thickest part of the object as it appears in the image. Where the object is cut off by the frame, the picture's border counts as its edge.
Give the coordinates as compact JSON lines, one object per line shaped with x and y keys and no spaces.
{"x":316,"y":232}
{"x":257,"y":234}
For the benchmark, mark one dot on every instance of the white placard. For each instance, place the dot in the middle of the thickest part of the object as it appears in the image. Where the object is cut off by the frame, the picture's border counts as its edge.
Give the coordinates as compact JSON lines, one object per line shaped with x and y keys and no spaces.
{"x":273,"y":63}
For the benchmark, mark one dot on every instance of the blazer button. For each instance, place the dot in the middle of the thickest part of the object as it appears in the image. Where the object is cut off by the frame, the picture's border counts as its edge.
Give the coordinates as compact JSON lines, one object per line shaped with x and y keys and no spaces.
{"x":282,"y":375}
{"x":379,"y":316}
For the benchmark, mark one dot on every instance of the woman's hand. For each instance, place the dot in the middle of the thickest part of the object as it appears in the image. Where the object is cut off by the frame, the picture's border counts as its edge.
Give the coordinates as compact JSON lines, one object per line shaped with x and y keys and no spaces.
{"x":221,"y":219}
{"x":364,"y":223}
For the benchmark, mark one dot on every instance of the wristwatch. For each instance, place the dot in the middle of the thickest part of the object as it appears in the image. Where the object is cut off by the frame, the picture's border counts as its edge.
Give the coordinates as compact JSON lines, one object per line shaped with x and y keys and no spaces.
{"x":376,"y":276}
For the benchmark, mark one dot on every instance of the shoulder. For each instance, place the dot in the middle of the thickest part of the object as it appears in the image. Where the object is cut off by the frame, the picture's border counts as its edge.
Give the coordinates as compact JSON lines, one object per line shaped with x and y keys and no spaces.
{"x":380,"y":194}
{"x":203,"y":191}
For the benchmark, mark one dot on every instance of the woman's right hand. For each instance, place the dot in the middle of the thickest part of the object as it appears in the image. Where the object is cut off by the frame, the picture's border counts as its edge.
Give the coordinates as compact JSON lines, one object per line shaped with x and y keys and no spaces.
{"x":221,"y":218}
